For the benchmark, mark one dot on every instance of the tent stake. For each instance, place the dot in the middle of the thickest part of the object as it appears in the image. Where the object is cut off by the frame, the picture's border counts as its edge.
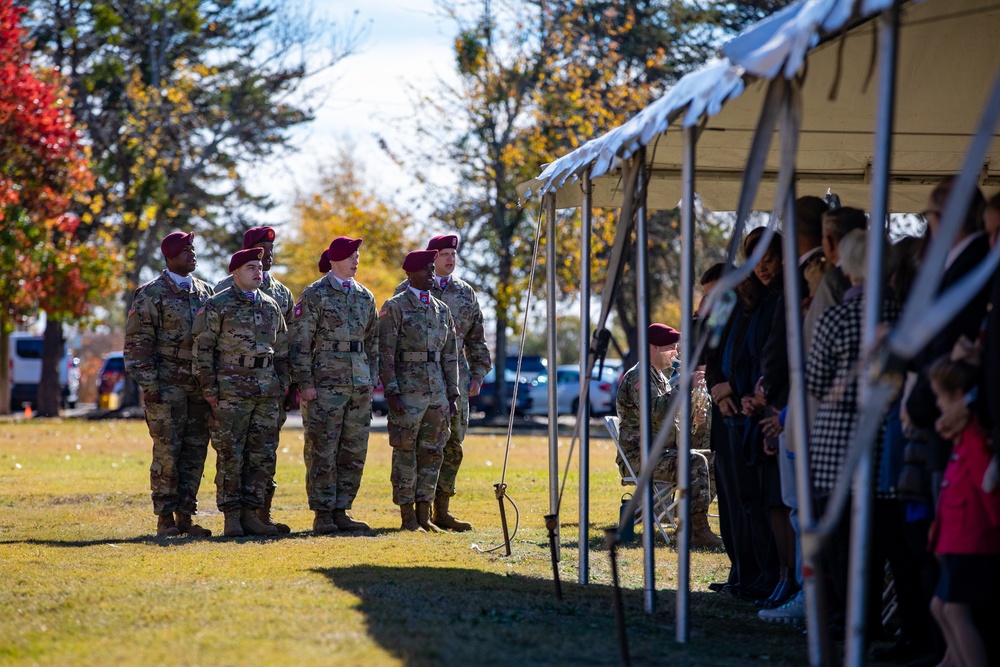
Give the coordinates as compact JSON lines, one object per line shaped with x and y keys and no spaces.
{"x":501,"y":491}
{"x":551,"y":523}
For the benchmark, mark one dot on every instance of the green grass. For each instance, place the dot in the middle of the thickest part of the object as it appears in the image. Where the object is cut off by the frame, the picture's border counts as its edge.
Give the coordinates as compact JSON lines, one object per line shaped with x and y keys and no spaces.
{"x":83,"y":582}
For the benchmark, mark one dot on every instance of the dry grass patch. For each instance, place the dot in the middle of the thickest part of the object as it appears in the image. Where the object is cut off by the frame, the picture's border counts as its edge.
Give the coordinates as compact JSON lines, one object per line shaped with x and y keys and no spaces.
{"x":84,"y":582}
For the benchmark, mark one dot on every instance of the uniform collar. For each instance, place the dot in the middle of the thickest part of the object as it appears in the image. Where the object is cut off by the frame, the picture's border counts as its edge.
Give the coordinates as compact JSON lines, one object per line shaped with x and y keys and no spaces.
{"x":178,"y":279}
{"x":416,"y":293}
{"x":339,"y":282}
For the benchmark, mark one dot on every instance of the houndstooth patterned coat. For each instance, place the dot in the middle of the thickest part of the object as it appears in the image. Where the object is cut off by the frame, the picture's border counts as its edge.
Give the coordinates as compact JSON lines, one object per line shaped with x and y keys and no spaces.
{"x":832,"y":377}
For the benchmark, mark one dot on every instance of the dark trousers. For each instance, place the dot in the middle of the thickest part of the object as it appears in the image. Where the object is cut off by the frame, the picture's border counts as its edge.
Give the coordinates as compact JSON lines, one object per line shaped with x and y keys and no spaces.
{"x":727,"y":492}
{"x":890,"y":542}
{"x":756,"y":552}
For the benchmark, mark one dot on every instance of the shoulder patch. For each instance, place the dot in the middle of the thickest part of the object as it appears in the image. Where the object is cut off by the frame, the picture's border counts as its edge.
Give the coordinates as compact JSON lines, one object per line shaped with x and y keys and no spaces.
{"x":384,"y":310}
{"x":200,"y":311}
{"x":131,"y":311}
{"x":297,"y":313}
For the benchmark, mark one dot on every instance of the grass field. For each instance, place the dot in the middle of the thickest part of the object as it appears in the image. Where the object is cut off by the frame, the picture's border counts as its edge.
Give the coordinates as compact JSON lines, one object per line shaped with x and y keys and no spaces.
{"x":85,"y":583}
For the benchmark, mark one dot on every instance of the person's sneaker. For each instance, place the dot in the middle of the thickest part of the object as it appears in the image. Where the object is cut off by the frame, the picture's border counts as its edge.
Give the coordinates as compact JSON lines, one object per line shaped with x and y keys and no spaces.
{"x":793,"y":611}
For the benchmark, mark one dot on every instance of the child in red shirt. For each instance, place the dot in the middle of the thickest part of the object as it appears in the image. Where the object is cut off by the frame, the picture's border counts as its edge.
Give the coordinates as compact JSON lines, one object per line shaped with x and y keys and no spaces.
{"x":965,"y":535}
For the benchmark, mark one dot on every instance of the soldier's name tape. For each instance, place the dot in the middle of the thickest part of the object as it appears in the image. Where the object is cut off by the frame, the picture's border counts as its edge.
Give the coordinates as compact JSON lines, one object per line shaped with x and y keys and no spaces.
{"x":247,"y":362}
{"x":423,"y":355}
{"x":341,"y":346}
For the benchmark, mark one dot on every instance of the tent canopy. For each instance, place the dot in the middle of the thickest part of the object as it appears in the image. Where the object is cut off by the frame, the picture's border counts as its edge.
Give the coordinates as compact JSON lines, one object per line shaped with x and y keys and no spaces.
{"x":948,"y":56}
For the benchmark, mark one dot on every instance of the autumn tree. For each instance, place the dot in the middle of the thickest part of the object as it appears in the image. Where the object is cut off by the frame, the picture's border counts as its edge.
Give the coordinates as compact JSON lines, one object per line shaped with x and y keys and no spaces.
{"x":44,"y":175}
{"x":537,"y":80}
{"x":179,"y":97}
{"x":342,"y":203}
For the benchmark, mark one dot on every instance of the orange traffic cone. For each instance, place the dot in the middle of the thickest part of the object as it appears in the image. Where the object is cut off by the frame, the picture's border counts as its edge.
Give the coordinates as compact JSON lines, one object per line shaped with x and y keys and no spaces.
{"x":27,"y":411}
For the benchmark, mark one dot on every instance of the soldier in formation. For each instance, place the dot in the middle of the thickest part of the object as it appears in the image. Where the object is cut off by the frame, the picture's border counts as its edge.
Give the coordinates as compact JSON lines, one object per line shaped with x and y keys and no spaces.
{"x":334,"y":362}
{"x":241,"y":357}
{"x":662,"y":353}
{"x":263,"y":238}
{"x":473,"y":365}
{"x":418,"y":365}
{"x":158,"y":353}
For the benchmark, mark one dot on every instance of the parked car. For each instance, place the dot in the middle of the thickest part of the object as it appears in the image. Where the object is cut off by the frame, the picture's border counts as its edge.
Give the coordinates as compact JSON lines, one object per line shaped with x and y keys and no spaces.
{"x":602,"y":387}
{"x":486,"y":399}
{"x":25,"y":367}
{"x":111,"y":382}
{"x":379,"y":405}
{"x":531,"y":365}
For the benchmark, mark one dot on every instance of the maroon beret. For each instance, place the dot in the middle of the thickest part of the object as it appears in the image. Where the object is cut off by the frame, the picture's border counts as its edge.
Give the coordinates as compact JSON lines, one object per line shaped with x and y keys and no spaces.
{"x":173,"y":243}
{"x":444,"y":242}
{"x":661,"y":334}
{"x":244,"y":256}
{"x":342,"y":247}
{"x":324,"y":262}
{"x":418,"y":259}
{"x":256,"y":235}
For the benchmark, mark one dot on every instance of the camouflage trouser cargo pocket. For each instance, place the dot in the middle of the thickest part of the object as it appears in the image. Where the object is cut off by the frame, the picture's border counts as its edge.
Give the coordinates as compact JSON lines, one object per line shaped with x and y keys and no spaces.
{"x":418,"y":448}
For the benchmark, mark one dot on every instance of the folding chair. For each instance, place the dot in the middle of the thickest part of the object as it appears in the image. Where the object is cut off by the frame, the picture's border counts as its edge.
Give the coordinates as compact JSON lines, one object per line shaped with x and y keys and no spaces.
{"x":663,"y":493}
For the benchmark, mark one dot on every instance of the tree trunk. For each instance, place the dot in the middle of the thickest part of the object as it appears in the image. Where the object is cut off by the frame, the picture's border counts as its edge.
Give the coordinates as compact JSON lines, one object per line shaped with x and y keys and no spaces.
{"x":49,"y":390}
{"x":4,"y":366}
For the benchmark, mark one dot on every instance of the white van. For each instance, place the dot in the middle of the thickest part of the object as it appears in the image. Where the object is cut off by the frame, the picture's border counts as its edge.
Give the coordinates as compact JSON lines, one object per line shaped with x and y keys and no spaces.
{"x":25,"y":365}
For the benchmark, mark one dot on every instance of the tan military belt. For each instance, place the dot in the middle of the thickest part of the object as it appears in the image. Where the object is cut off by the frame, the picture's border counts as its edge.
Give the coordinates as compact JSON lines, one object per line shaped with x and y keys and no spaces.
{"x":341,"y":346}
{"x":176,"y":353}
{"x":262,"y":361}
{"x":423,"y":355}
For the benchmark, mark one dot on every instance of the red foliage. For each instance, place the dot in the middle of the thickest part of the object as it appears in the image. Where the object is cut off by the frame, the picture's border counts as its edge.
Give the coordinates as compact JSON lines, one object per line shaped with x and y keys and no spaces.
{"x":44,"y":168}
{"x":44,"y":161}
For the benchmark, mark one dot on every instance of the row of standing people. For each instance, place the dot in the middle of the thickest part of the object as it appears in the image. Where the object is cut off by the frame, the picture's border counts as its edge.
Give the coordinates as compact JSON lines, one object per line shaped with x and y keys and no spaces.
{"x":755,"y":455}
{"x":219,"y":365}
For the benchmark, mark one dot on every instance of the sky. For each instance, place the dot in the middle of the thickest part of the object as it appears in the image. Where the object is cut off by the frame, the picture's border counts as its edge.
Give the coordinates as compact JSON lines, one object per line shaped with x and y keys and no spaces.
{"x":367,"y":96}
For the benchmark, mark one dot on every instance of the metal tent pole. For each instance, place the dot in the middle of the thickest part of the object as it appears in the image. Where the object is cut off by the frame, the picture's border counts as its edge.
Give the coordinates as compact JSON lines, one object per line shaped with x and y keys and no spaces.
{"x":861,"y":519}
{"x":586,"y":222}
{"x":645,"y":426}
{"x":688,"y":364}
{"x":550,"y":306}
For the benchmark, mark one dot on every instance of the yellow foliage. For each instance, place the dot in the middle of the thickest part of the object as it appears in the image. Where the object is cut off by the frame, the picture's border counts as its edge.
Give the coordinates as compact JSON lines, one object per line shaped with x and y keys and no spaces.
{"x":343,"y":205}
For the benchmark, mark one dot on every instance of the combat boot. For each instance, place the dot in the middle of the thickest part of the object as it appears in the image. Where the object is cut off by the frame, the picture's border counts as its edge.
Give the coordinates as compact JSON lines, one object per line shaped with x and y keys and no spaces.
{"x":233,"y":527}
{"x":345,"y":522}
{"x":253,"y":526}
{"x":323,"y":523}
{"x":424,"y":517}
{"x":264,"y":514}
{"x":165,"y":526}
{"x":444,"y":519}
{"x":410,"y":519}
{"x":186,"y":525}
{"x":701,"y":533}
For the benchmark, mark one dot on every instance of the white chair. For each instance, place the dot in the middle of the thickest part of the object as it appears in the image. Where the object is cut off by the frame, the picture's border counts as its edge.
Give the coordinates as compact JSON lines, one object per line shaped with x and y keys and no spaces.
{"x":663,"y":493}
{"x":664,"y":501}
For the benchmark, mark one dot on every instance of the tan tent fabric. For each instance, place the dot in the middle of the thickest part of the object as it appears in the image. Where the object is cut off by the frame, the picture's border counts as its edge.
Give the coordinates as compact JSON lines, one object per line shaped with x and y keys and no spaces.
{"x":949,"y":56}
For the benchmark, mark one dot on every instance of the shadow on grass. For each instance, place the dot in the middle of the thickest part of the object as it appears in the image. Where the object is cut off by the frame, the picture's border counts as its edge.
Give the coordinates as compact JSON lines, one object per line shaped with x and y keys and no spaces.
{"x":184,"y":540}
{"x":452,"y":616}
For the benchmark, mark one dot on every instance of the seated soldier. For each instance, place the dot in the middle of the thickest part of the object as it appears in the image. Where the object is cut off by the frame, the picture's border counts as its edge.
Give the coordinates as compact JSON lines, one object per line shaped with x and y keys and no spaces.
{"x":662,"y":353}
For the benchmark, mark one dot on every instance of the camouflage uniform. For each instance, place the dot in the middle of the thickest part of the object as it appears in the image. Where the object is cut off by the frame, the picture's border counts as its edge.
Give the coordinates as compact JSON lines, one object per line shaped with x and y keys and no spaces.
{"x":473,"y":364}
{"x":334,"y":349}
{"x":272,"y":287}
{"x":629,"y":420}
{"x":409,"y":329}
{"x":282,"y":296}
{"x":241,"y":356}
{"x":158,"y":353}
